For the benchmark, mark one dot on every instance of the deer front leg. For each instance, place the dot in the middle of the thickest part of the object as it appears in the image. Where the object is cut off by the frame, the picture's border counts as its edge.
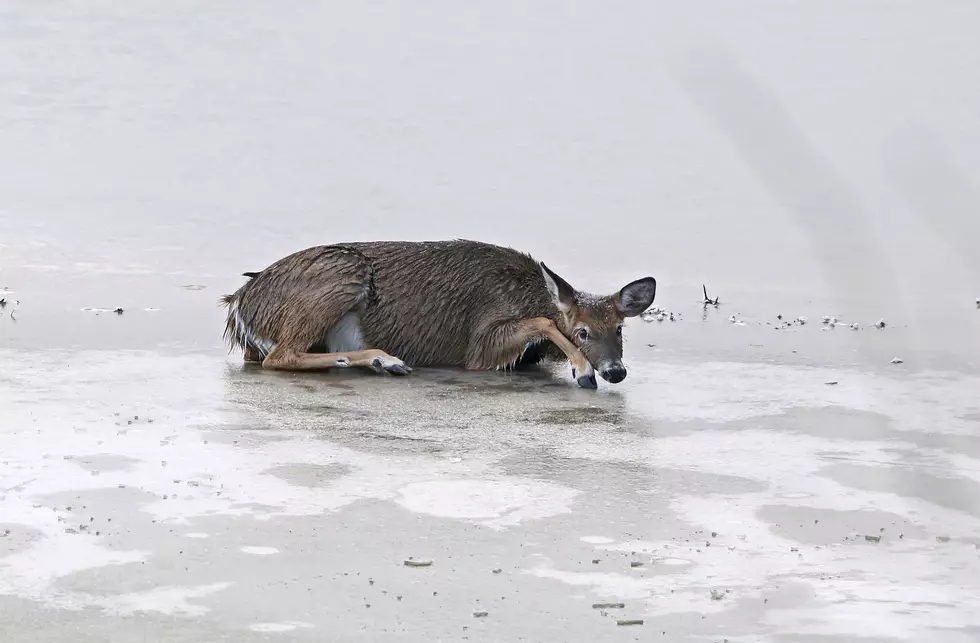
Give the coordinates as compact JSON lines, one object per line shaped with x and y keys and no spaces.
{"x":505,"y":345}
{"x":582,"y":370}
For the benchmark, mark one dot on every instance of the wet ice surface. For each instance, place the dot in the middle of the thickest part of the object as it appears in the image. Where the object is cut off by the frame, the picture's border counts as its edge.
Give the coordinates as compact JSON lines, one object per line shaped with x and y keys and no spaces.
{"x":245,"y":503}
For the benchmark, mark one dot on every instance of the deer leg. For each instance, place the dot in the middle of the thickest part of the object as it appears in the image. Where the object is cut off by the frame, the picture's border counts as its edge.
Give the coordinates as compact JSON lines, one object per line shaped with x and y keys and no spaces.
{"x":292,"y":360}
{"x":507,"y":347}
{"x":252,"y":355}
{"x":378,"y":361}
{"x":582,"y":370}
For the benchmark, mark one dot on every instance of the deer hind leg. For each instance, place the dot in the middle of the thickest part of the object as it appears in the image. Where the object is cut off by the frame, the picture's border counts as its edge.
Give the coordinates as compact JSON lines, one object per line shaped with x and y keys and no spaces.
{"x":321,"y":308}
{"x":286,"y":359}
{"x":504,"y":346}
{"x":292,"y":352}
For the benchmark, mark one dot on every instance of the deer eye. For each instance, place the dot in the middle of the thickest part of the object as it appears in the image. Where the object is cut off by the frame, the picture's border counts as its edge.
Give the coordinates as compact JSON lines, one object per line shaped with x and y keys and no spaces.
{"x":619,"y":330}
{"x":582,"y":334}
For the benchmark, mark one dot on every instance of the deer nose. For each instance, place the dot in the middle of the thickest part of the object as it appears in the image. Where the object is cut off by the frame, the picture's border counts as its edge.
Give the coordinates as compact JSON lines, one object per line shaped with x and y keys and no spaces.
{"x":614,"y":374}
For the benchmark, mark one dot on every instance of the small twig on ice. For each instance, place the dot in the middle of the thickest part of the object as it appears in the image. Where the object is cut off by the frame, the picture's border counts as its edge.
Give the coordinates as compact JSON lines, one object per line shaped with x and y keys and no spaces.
{"x":708,"y":300}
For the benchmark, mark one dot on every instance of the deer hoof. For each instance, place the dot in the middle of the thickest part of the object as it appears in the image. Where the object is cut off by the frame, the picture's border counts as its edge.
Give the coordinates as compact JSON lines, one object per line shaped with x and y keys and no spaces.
{"x":587,"y":381}
{"x":395,"y":367}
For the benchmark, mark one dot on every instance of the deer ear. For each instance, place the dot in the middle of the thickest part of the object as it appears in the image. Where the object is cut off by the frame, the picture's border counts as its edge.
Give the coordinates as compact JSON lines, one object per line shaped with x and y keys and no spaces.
{"x":562,"y":293}
{"x":636,"y":296}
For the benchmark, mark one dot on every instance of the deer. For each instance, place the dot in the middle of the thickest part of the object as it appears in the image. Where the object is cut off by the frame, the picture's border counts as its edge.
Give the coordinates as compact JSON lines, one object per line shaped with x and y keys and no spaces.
{"x":391,"y":306}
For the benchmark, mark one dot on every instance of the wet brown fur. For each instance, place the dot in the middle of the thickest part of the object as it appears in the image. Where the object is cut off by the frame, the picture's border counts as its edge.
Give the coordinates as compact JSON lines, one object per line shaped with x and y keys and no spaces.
{"x":442,"y":303}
